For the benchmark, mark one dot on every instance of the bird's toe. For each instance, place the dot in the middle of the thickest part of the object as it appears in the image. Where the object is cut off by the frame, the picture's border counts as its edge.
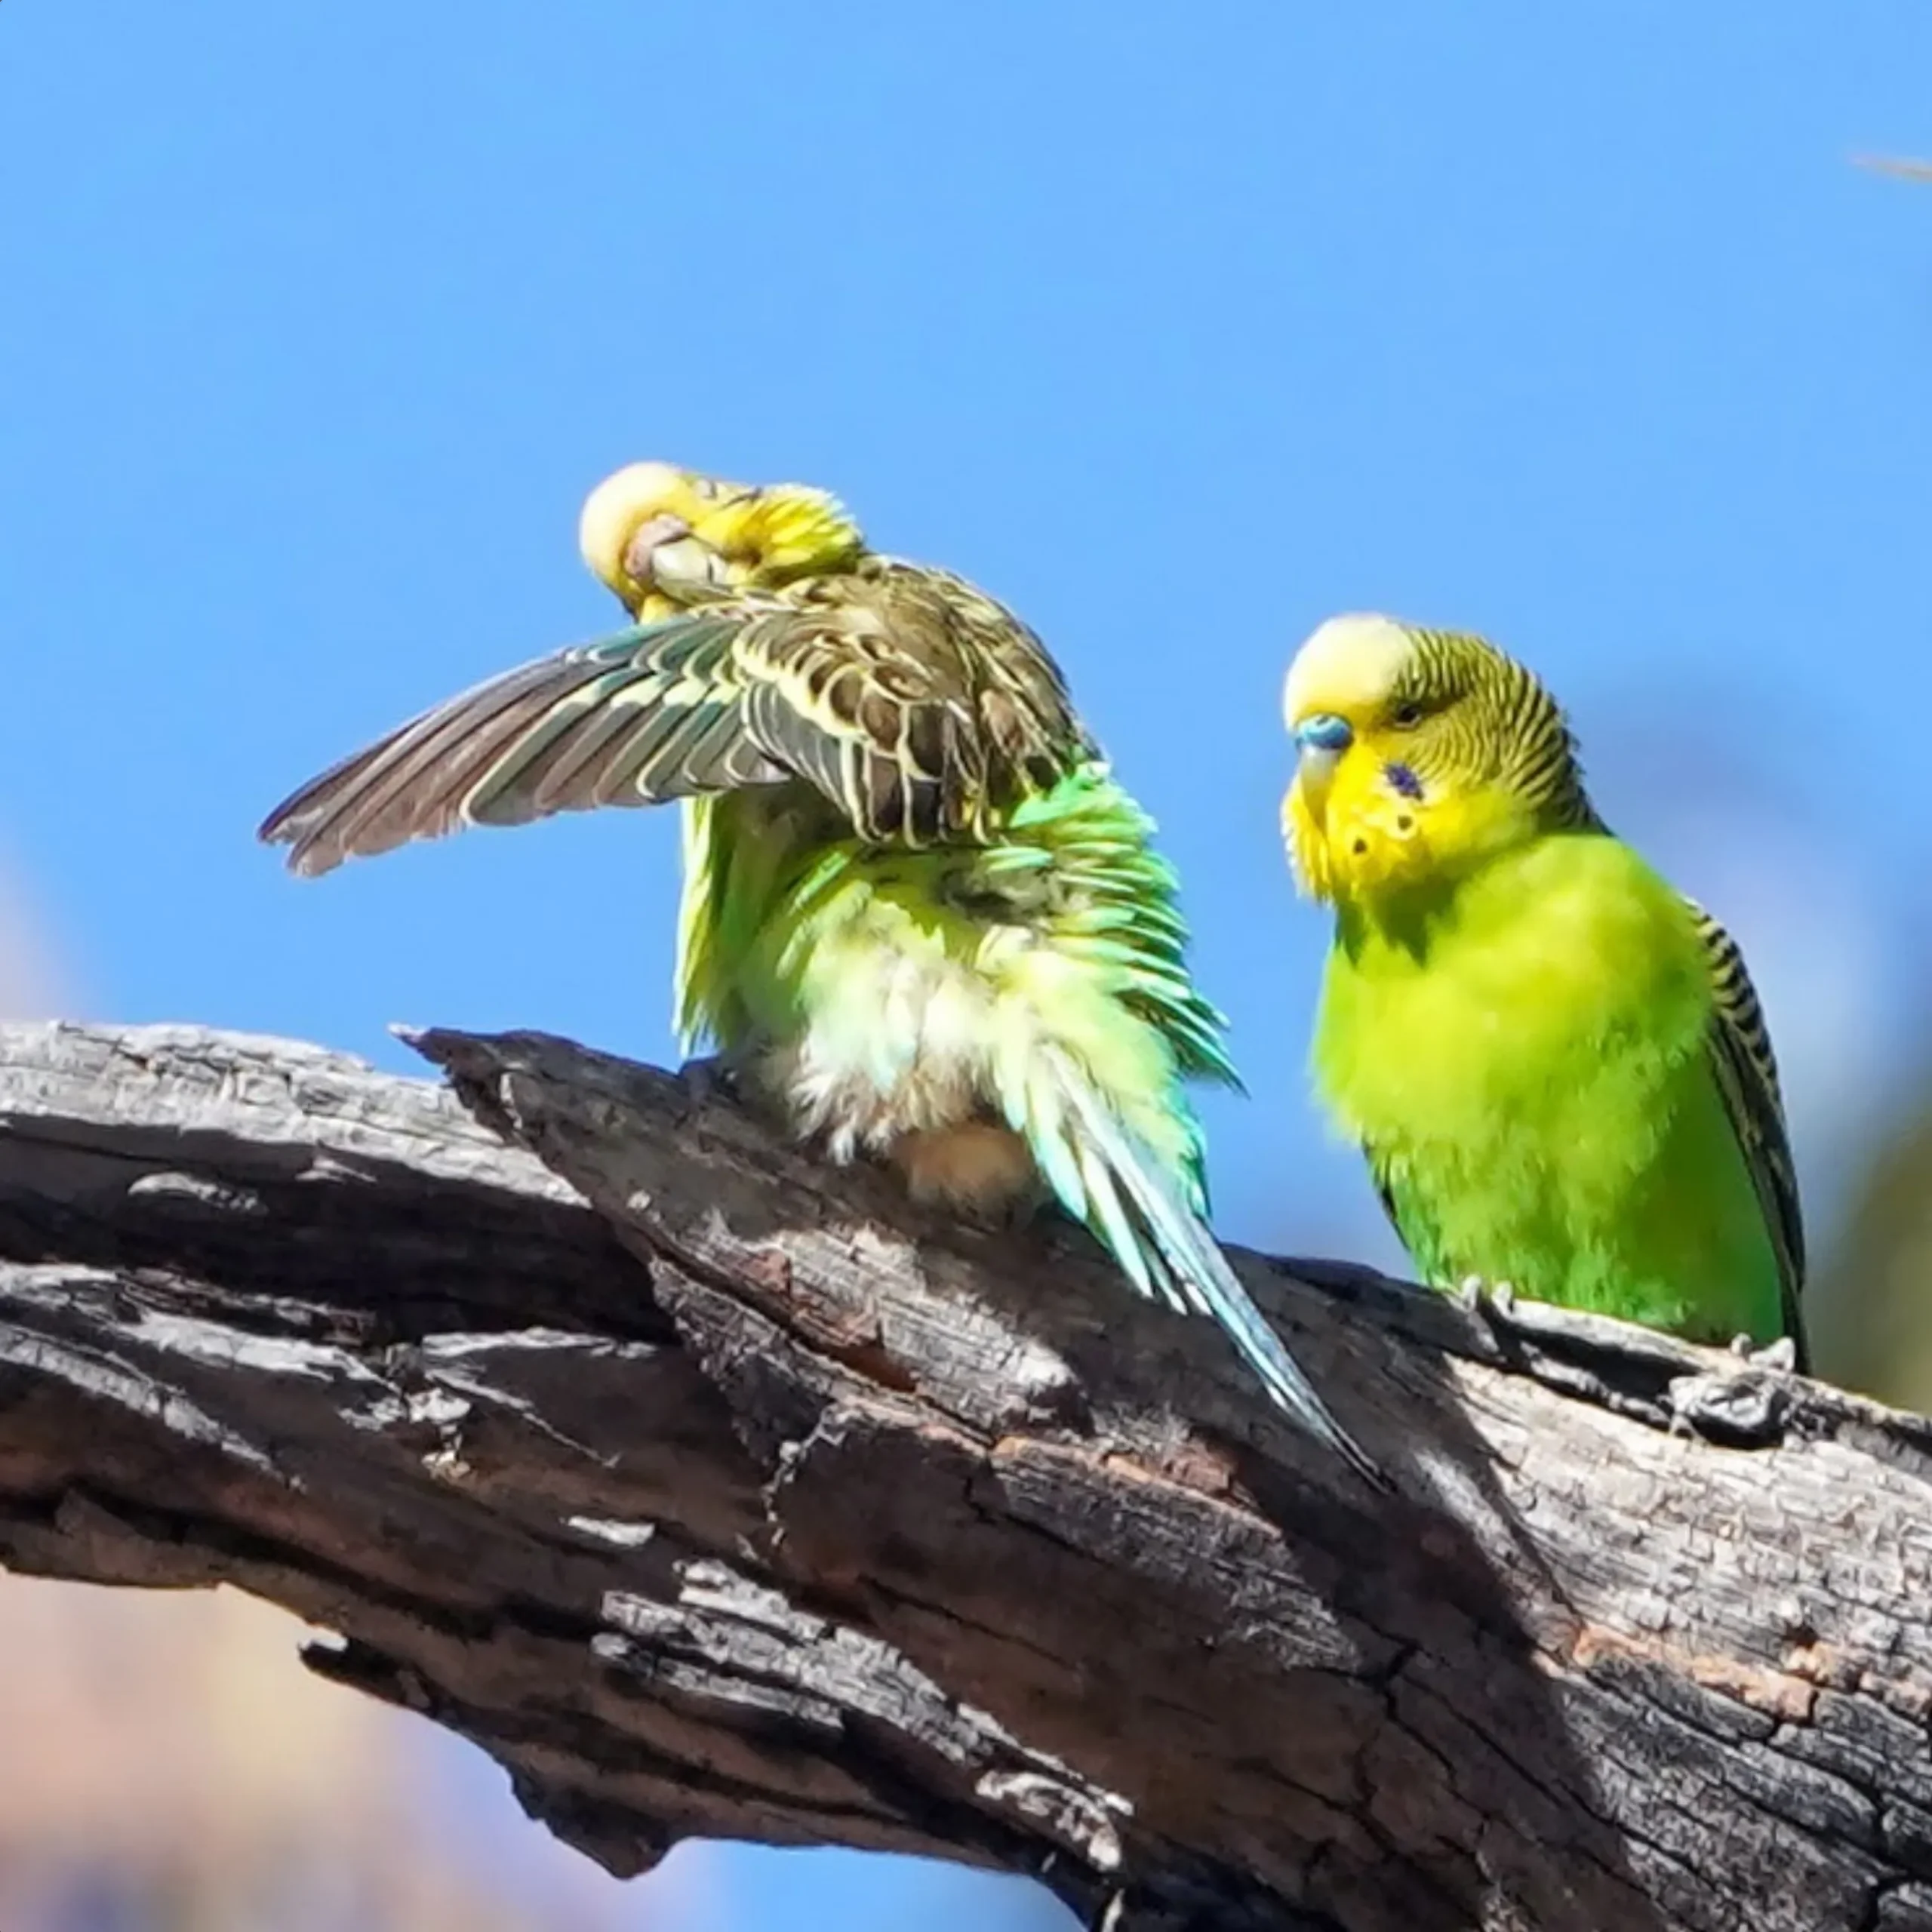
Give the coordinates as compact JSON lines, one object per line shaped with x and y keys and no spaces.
{"x":707,"y":1079}
{"x":1779,"y":1356}
{"x":1477,"y":1295}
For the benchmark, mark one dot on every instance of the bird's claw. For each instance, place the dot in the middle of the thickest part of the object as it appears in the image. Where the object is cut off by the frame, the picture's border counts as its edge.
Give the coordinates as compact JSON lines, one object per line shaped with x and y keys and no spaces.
{"x":1746,"y":1406}
{"x":1021,"y":1212}
{"x":706,"y":1080}
{"x":1475,"y":1296}
{"x":1013,"y":1215}
{"x":1780,"y":1357}
{"x":1748,"y":1403}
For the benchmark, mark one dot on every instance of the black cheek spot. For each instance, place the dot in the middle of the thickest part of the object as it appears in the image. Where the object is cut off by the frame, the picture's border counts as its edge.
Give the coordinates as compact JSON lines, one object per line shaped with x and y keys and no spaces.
{"x":1402,"y":777}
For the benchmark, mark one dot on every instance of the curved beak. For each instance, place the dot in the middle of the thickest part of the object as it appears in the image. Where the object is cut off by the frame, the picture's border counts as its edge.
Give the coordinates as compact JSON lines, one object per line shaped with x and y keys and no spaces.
{"x":663,"y":555}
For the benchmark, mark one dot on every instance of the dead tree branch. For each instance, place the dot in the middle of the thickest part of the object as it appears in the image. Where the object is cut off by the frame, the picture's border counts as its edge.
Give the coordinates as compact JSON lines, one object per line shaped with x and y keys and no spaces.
{"x":710,"y":1492}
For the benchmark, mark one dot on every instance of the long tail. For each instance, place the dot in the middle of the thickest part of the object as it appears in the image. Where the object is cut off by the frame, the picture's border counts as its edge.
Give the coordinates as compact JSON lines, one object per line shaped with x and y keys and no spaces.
{"x":1105,"y":1175}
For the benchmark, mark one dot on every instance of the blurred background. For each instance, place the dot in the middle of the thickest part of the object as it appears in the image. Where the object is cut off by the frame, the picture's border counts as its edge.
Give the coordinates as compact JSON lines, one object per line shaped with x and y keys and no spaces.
{"x":1179,"y":328}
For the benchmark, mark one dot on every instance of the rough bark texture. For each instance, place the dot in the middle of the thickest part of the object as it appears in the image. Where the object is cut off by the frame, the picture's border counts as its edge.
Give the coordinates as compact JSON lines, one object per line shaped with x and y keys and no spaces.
{"x":710,"y":1492}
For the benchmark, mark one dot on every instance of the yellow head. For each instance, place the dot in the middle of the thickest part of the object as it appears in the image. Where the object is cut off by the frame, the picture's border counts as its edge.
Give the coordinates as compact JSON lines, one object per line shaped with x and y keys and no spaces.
{"x":662,"y":538}
{"x":1420,"y":753}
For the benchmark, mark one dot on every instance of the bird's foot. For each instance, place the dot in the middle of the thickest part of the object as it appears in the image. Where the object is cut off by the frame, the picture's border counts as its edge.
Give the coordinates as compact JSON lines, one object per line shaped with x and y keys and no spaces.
{"x":979,"y":1173}
{"x":1019,"y":1213}
{"x":1780,"y":1357}
{"x":707,"y":1080}
{"x":991,"y":1217}
{"x":1747,"y":1403}
{"x":994,"y":1215}
{"x":1475,"y":1296}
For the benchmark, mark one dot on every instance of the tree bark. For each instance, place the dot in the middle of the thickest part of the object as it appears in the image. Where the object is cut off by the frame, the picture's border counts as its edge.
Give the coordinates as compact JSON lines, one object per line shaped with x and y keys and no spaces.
{"x":711,"y":1491}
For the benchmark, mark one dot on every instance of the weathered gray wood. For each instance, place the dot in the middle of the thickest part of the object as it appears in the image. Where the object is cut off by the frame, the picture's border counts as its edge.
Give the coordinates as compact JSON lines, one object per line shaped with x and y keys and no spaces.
{"x":711,"y":1492}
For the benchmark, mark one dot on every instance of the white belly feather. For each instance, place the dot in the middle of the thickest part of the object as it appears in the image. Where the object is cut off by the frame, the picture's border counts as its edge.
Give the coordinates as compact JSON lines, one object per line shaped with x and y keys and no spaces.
{"x":897,"y":1063}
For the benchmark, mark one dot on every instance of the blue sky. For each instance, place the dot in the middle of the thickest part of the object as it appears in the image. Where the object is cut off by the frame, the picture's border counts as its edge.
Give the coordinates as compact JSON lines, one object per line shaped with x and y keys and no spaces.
{"x":1179,"y":328}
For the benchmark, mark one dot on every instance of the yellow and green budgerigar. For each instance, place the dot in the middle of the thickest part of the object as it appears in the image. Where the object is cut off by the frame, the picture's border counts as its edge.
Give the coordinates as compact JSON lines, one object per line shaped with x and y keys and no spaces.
{"x":1554,"y":1063}
{"x":919,"y":913}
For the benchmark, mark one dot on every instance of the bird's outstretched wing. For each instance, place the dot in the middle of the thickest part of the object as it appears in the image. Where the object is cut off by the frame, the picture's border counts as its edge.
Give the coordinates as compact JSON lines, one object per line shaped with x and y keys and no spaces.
{"x":917,"y":706}
{"x":1747,"y":1077}
{"x":648,"y":713}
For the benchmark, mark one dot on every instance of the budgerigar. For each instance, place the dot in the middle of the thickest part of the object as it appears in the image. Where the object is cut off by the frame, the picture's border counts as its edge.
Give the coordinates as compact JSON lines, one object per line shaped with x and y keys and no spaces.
{"x":1554,"y":1063}
{"x":919,"y":914}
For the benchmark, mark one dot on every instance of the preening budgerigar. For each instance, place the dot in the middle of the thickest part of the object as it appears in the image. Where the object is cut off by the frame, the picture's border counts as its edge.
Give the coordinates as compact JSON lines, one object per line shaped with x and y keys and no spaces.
{"x":919,"y":914}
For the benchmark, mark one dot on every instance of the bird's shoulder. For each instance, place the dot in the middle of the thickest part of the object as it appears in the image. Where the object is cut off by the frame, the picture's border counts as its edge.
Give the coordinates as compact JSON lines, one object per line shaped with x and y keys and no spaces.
{"x":918,"y":665}
{"x":928,"y":623}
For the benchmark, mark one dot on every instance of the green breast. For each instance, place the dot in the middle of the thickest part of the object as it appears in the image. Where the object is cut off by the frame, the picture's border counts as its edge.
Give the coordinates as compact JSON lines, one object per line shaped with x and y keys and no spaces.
{"x":1526,"y":1063}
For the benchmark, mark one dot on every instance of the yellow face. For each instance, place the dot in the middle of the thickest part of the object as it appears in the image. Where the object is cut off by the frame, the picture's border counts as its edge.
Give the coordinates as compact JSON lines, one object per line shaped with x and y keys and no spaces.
{"x":663,"y":538}
{"x":1396,"y":783}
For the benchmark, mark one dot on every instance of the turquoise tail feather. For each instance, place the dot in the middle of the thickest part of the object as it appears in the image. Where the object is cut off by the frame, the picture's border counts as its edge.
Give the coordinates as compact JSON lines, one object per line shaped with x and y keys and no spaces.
{"x":1048,"y":972}
{"x":1169,"y":1253}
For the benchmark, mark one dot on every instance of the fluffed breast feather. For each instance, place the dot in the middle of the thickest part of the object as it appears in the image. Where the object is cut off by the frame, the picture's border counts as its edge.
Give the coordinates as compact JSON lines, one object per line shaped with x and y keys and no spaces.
{"x":920,"y":707}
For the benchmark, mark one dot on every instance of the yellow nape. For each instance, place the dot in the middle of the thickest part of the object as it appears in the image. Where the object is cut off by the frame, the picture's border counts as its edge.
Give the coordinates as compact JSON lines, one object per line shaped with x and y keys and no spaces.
{"x":785,"y":530}
{"x":655,"y":535}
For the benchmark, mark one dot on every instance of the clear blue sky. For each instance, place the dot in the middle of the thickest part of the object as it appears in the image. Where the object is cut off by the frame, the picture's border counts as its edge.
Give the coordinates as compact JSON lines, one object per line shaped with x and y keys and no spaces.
{"x":1179,"y":328}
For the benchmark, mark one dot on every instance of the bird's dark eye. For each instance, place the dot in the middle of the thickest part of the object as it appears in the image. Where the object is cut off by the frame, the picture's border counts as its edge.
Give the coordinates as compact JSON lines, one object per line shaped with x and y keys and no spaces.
{"x":1407,"y":716}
